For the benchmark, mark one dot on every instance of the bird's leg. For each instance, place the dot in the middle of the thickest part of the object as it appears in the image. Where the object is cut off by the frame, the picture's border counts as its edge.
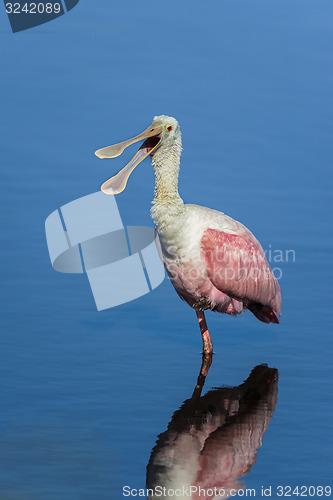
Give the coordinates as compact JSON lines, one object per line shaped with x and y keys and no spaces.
{"x":207,"y":341}
{"x":205,"y":365}
{"x":207,"y":354}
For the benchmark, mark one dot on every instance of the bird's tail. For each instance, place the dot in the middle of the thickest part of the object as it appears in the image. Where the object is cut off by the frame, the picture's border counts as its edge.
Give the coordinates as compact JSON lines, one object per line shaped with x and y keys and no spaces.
{"x":264,"y":313}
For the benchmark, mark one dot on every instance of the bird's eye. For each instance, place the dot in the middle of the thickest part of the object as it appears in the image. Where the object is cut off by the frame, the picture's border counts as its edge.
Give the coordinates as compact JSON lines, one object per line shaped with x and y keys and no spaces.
{"x":169,"y":128}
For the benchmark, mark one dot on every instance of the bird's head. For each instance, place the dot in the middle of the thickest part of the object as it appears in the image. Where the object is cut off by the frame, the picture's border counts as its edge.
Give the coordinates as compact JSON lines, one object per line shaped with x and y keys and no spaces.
{"x":164,"y":131}
{"x":169,"y":129}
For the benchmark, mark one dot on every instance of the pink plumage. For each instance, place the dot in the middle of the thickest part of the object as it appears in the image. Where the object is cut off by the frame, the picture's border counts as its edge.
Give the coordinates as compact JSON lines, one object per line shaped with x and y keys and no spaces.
{"x":219,"y":270}
{"x":237,"y":266}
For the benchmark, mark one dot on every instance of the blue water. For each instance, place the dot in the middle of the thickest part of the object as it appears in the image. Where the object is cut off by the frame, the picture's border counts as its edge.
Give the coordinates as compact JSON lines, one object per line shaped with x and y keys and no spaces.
{"x":84,"y":394}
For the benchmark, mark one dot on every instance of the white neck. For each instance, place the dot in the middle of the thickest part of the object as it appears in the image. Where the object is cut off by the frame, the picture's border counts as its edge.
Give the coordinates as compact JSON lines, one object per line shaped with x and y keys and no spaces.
{"x":166,"y":162}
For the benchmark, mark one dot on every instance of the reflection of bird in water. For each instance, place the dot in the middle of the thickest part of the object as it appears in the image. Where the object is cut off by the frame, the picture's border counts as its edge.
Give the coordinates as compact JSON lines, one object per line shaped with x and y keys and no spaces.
{"x":212,"y":440}
{"x":213,"y":261}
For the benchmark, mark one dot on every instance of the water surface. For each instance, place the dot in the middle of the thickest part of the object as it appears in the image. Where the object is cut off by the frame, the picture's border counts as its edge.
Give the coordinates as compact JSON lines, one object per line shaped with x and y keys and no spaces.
{"x":85,"y":394}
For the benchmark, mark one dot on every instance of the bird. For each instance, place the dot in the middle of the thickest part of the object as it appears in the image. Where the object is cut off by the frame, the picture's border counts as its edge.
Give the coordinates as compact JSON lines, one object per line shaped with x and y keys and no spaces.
{"x":213,"y":261}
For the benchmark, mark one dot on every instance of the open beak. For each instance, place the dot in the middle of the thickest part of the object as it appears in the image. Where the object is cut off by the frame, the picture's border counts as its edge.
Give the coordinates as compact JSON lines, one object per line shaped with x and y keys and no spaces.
{"x":117,"y":183}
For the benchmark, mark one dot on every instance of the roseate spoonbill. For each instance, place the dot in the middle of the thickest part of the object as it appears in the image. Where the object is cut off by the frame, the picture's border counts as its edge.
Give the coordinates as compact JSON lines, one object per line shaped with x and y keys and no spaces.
{"x":212,"y":440}
{"x":213,"y":261}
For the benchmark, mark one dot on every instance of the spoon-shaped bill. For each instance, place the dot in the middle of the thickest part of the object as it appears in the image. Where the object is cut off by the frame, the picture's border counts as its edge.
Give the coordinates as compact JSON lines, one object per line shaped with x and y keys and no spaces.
{"x":118,"y":182}
{"x":116,"y":149}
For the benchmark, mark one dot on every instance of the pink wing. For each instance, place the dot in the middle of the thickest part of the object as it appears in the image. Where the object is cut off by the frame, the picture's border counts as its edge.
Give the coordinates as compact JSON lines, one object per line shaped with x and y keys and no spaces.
{"x":237,"y":266}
